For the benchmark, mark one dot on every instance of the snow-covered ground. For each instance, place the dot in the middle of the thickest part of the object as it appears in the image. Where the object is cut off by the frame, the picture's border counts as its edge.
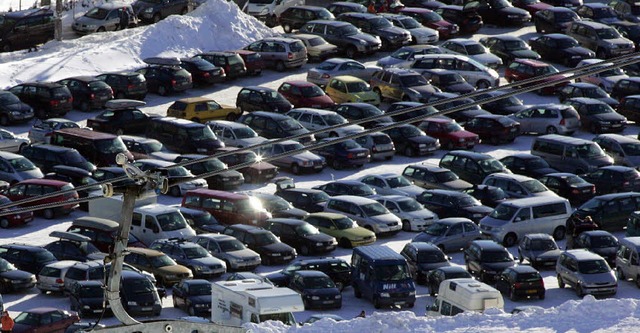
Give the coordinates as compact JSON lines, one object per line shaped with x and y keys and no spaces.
{"x":219,"y":25}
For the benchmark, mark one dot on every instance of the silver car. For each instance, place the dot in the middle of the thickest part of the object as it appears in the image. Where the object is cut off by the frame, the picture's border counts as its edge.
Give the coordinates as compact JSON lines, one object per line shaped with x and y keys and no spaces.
{"x":16,"y":168}
{"x":104,"y":17}
{"x":413,"y":215}
{"x":450,"y":234}
{"x":605,"y":80}
{"x":317,"y":119}
{"x":41,"y":131}
{"x":472,"y":49}
{"x":548,"y":118}
{"x":392,"y":184}
{"x":322,"y":73}
{"x":235,"y":134}
{"x":380,"y":145}
{"x":405,"y":55}
{"x":12,"y":143}
{"x":586,"y":272}
{"x":298,"y":162}
{"x":227,"y":248}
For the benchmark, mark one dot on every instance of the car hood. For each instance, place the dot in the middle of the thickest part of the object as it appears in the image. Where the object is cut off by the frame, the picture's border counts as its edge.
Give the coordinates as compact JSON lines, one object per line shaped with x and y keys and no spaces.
{"x":599,"y":278}
{"x":277,"y":247}
{"x":420,"y":214}
{"x":513,"y":11}
{"x":173,"y":269}
{"x":427,"y":238}
{"x":610,"y":101}
{"x":611,"y":116}
{"x":422,"y":31}
{"x":486,"y":58}
{"x":351,"y":129}
{"x":290,"y":213}
{"x":457,"y":184}
{"x":356,"y":232}
{"x":388,"y":61}
{"x":386,"y":218}
{"x":29,"y":174}
{"x":552,"y":254}
{"x":18,"y":107}
{"x":243,"y":254}
{"x":369,"y":39}
{"x":525,"y":54}
{"x":321,"y":237}
{"x":306,"y":156}
{"x":16,"y":274}
{"x":426,"y":90}
{"x":411,"y":190}
{"x":208,"y":261}
{"x":391,"y":31}
{"x":581,"y":51}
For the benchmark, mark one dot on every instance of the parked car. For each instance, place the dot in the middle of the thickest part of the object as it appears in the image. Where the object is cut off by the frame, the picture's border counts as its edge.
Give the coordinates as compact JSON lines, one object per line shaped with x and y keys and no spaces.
{"x":316,"y":289}
{"x":623,"y":149}
{"x":532,"y":6}
{"x":570,"y":186}
{"x":25,"y":257}
{"x":598,"y":12}
{"x":413,"y":215}
{"x":164,"y":76}
{"x":13,"y":279}
{"x":295,"y":17}
{"x":153,"y":12}
{"x":447,"y":203}
{"x":48,"y":99}
{"x":343,"y":154}
{"x":604,"y":40}
{"x":359,"y":111}
{"x":347,"y":88}
{"x":344,"y":229}
{"x":450,"y":134}
{"x":629,"y":106}
{"x":539,"y":249}
{"x":448,"y":81}
{"x":600,"y":242}
{"x":471,"y":166}
{"x":309,"y":200}
{"x":419,"y":33}
{"x":503,"y":106}
{"x":392,"y":184}
{"x":201,"y":110}
{"x":597,"y":116}
{"x":277,"y":206}
{"x":518,"y":186}
{"x":121,"y":117}
{"x":13,"y":220}
{"x":391,"y":36}
{"x":166,"y":271}
{"x":548,"y":118}
{"x":437,"y":275}
{"x":412,"y":141}
{"x":613,"y":179}
{"x":193,"y":296}
{"x":126,"y":84}
{"x":380,"y":145}
{"x":605,"y":79}
{"x":88,"y":92}
{"x":493,"y":128}
{"x":302,"y":161}
{"x":487,"y":259}
{"x":31,"y":188}
{"x":257,"y":172}
{"x":88,"y":299}
{"x":72,"y":246}
{"x":339,"y":7}
{"x":554,"y":20}
{"x":586,"y":272}
{"x":304,"y":237}
{"x":346,"y":187}
{"x":271,"y":249}
{"x":318,"y":49}
{"x":337,"y":269}
{"x":305,"y":94}
{"x":234,"y":134}
{"x":450,"y":234}
{"x":406,"y":54}
{"x":191,"y":255}
{"x":433,"y":176}
{"x":317,"y":119}
{"x":280,"y":53}
{"x":16,"y":168}
{"x":521,"y":282}
{"x":231,"y":62}
{"x":464,"y":17}
{"x":48,"y":318}
{"x":257,"y":98}
{"x":429,"y":18}
{"x":274,"y":125}
{"x":560,"y":48}
{"x":527,"y":165}
{"x":422,"y":258}
{"x":349,"y":39}
{"x":524,"y":69}
{"x":488,"y":195}
{"x":502,"y":13}
{"x":202,"y":71}
{"x":174,"y":174}
{"x":12,"y":110}
{"x":472,"y":49}
{"x":233,"y":252}
{"x":401,"y":85}
{"x":46,"y":157}
{"x":588,"y":90}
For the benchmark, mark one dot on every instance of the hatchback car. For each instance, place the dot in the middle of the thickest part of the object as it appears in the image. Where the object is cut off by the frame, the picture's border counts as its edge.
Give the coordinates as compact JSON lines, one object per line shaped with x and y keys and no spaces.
{"x":48,"y":99}
{"x":570,"y":186}
{"x":233,"y":252}
{"x":317,"y":289}
{"x":202,"y":71}
{"x":540,"y":250}
{"x":447,"y":203}
{"x":72,"y":246}
{"x":257,"y":98}
{"x":126,"y":84}
{"x":472,"y":49}
{"x":193,"y":256}
{"x":231,"y":62}
{"x":432,"y":176}
{"x":257,"y":172}
{"x":322,"y":73}
{"x":560,"y":48}
{"x":467,"y":19}
{"x":88,"y":92}
{"x":304,"y":237}
{"x":280,"y":53}
{"x":527,"y":164}
{"x":318,"y":49}
{"x":201,"y":110}
{"x":486,"y":260}
{"x":164,"y":76}
{"x":48,"y":318}
{"x":271,"y":249}
{"x":166,"y":271}
{"x":626,"y":86}
{"x":392,"y":184}
{"x":346,"y":187}
{"x":316,"y":120}
{"x":31,"y":188}
{"x":503,"y":106}
{"x":597,"y":116}
{"x":493,"y":128}
{"x":524,"y":69}
{"x":613,"y":179}
{"x":450,"y":234}
{"x":554,"y":20}
{"x":174,"y":174}
{"x":343,"y":154}
{"x":412,"y":141}
{"x":15,"y":168}
{"x":401,"y":85}
{"x":121,"y":117}
{"x":423,"y":258}
{"x":12,"y":110}
{"x":606,"y":79}
{"x":13,"y":279}
{"x":88,"y":299}
{"x":450,"y":134}
{"x":277,"y":206}
{"x":337,"y":269}
{"x":309,"y":200}
{"x":419,"y":33}
{"x":347,"y":88}
{"x":521,"y":282}
{"x":548,"y":118}
{"x":305,"y":94}
{"x":344,"y":229}
{"x":193,"y":296}
{"x":437,"y":275}
{"x":448,"y":81}
{"x":588,"y":90}
{"x":406,"y":54}
{"x":347,"y":37}
{"x":104,"y":17}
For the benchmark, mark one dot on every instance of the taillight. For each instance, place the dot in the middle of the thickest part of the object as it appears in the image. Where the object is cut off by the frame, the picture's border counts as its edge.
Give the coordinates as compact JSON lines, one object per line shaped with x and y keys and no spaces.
{"x":517,"y":285}
{"x":542,"y":283}
{"x":325,"y":76}
{"x":562,"y":122}
{"x":289,"y":55}
{"x":92,"y":96}
{"x":54,"y":103}
{"x":350,"y":155}
{"x":173,"y":82}
{"x":206,"y":74}
{"x":59,"y":281}
{"x":575,"y":191}
{"x":593,"y":189}
{"x":130,"y":86}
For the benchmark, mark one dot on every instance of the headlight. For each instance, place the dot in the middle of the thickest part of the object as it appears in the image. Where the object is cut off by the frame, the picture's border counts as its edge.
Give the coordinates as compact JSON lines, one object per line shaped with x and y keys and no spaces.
{"x":422,"y":145}
{"x":614,"y":46}
{"x":132,"y":303}
{"x":307,"y":163}
{"x":315,"y":298}
{"x":86,"y":307}
{"x":148,"y":10}
{"x":225,"y":179}
{"x":15,"y":113}
{"x":318,"y":244}
{"x":200,"y":305}
{"x":385,"y":295}
{"x":198,"y":268}
{"x":338,"y":297}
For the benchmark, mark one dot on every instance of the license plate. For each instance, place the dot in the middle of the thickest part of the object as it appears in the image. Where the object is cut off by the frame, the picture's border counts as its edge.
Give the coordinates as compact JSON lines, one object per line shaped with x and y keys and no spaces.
{"x":616,"y":125}
{"x":586,"y":191}
{"x":360,"y":155}
{"x":317,"y":167}
{"x":147,"y":308}
{"x":327,"y":302}
{"x":399,"y":303}
{"x":287,"y":257}
{"x":513,"y":129}
{"x":531,"y":291}
{"x":97,"y":311}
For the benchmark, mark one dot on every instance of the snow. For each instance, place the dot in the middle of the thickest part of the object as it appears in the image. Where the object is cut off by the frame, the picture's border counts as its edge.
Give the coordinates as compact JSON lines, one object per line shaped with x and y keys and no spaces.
{"x":219,"y":25}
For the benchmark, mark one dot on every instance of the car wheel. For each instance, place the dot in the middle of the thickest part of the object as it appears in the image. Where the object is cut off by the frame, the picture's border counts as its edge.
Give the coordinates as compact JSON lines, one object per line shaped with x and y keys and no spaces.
{"x":432,"y":290}
{"x":232,"y":116}
{"x":101,"y":29}
{"x":174,"y":191}
{"x":579,"y":291}
{"x":409,"y":152}
{"x":4,"y":223}
{"x":351,"y":52}
{"x":538,"y":29}
{"x":336,"y":165}
{"x":559,"y":233}
{"x":379,"y":93}
{"x":271,"y":21}
{"x":512,"y":294}
{"x":7,"y":47}
{"x":192,"y":311}
{"x":49,"y":213}
{"x":356,"y":292}
{"x":560,"y":282}
{"x":638,"y":281}
{"x":162,"y":90}
{"x":280,"y":66}
{"x":552,"y":130}
{"x":339,"y":285}
{"x":376,"y":303}
{"x":620,"y":274}
{"x":304,"y":250}
{"x":248,"y":178}
{"x":287,"y":28}
{"x":483,"y":84}
{"x":295,"y":169}
{"x":406,"y":226}
{"x":4,"y":120}
{"x":509,"y":240}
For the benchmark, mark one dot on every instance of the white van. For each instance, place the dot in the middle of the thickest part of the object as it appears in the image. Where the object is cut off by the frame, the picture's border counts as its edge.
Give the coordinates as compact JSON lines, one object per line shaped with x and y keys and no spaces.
{"x":512,"y":219}
{"x":157,"y":221}
{"x":460,"y":295}
{"x":628,"y":260}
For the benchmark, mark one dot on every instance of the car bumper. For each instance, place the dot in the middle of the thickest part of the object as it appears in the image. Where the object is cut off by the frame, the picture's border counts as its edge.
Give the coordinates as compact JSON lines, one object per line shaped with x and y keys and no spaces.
{"x":324,"y":304}
{"x":55,"y":287}
{"x":208,"y":274}
{"x":600,"y":290}
{"x":138,"y":310}
{"x":362,"y":242}
{"x":383,"y":155}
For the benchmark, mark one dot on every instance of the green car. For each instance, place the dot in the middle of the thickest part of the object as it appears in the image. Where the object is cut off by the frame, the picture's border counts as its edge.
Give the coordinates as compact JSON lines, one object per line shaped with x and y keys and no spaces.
{"x":344,"y":229}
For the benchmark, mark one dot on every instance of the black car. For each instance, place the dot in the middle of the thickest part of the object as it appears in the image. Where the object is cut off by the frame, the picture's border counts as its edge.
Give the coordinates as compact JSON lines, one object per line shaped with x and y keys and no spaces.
{"x":107,"y":173}
{"x":486,"y":259}
{"x":467,"y":19}
{"x":224,"y":180}
{"x":509,"y":47}
{"x":521,"y":282}
{"x":165,"y":76}
{"x":337,"y":8}
{"x":417,"y":110}
{"x":494,"y":128}
{"x":337,"y":269}
{"x":346,"y":187}
{"x":201,"y":221}
{"x":47,"y":156}
{"x":488,"y":195}
{"x":272,"y":251}
{"x":569,"y":186}
{"x":527,"y":164}
{"x":231,"y":62}
{"x":347,"y":153}
{"x":13,"y":279}
{"x":503,"y":106}
{"x":307,"y":199}
{"x":304,"y":237}
{"x":278,"y":207}
{"x":27,"y":257}
{"x":584,"y":89}
{"x":502,"y":13}
{"x":72,"y":246}
{"x":613,"y":179}
{"x":193,"y":296}
{"x":87,"y":298}
{"x":392,"y":37}
{"x":624,"y":87}
{"x":436,"y":276}
{"x":628,"y":30}
{"x":121,"y":117}
{"x":150,"y":11}
{"x":359,"y":111}
{"x":88,"y":92}
{"x":274,"y":125}
{"x":256,"y":98}
{"x":422,"y":258}
{"x":317,"y":290}
{"x":48,"y":99}
{"x":138,"y":294}
{"x":412,"y":141}
{"x":12,"y":110}
{"x":448,"y":81}
{"x":600,"y":242}
{"x":202,"y":71}
{"x":597,"y":116}
{"x":77,"y":177}
{"x":126,"y":84}
{"x":540,"y":250}
{"x":554,"y":19}
{"x":447,"y":101}
{"x":295,"y":17}
{"x":560,"y":48}
{"x":447,"y":203}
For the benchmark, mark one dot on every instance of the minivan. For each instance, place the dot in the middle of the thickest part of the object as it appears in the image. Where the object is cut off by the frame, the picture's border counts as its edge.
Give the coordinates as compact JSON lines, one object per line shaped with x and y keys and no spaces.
{"x":382,"y":275}
{"x":46,"y":156}
{"x":184,"y":136}
{"x":518,"y":186}
{"x":280,"y":53}
{"x":601,"y":38}
{"x":623,"y":149}
{"x":103,"y":232}
{"x":160,"y":222}
{"x":610,"y":211}
{"x":97,"y":147}
{"x":228,"y":208}
{"x":627,"y":262}
{"x":471,"y":166}
{"x":568,"y":154}
{"x":26,"y":28}
{"x":513,"y":219}
{"x":586,"y":272}
{"x":368,"y":213}
{"x":464,"y":294}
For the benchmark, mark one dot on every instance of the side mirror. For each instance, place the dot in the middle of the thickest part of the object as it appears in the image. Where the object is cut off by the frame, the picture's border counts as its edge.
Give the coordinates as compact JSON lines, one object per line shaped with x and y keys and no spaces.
{"x":517,"y":219}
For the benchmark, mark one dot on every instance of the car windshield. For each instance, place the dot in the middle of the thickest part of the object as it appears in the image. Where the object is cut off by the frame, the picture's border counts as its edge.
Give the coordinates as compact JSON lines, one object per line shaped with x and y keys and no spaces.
{"x":201,"y":133}
{"x":536,"y":163}
{"x":200,"y":289}
{"x":410,"y":23}
{"x":292,"y":146}
{"x":576,"y":180}
{"x":244,"y":133}
{"x":431,"y":256}
{"x":413,"y":80}
{"x":247,"y":156}
{"x":475,"y":49}
{"x":348,"y":144}
{"x":411,"y":131}
{"x":161,"y":261}
{"x":348,"y":30}
{"x":504,"y":212}
{"x":44,"y":256}
{"x":319,"y":197}
{"x":452,"y":127}
{"x":204,"y":219}
{"x":138,"y":286}
{"x":391,"y":272}
{"x":345,"y":223}
{"x":306,"y":229}
{"x":599,"y":242}
{"x":451,"y":78}
{"x":21,"y":164}
{"x":265,"y":238}
{"x":593,"y":266}
{"x":358,"y":86}
{"x":289,"y":124}
{"x":327,"y":66}
{"x":111,"y":146}
{"x":179,"y":172}
{"x":437,"y":229}
{"x":311,"y":91}
{"x":534,"y":186}
{"x":543,"y":245}
{"x":317,"y":41}
{"x":91,"y":291}
{"x":272,"y":97}
{"x":231,"y":245}
{"x":28,"y":319}
{"x":515,"y":45}
{"x":401,"y":54}
{"x":431,"y":17}
{"x":409,"y":205}
{"x":8,"y":98}
{"x":374,"y":209}
{"x":6,"y":266}
{"x":196,"y":252}
{"x":318,"y":282}
{"x":491,"y":165}
{"x":275,"y":203}
{"x":545,"y":70}
{"x":398,"y":181}
{"x":499,"y":4}
{"x":590,"y":151}
{"x":496,"y":256}
{"x":97,"y":13}
{"x":380,"y":23}
{"x":608,"y":33}
{"x":250,"y":205}
{"x":598,"y":108}
{"x":361,"y":190}
{"x":566,"y":43}
{"x":631,"y":149}
{"x":333,"y":119}
{"x":213,"y":165}
{"x":171,"y":221}
{"x":446,"y":176}
{"x":88,"y":248}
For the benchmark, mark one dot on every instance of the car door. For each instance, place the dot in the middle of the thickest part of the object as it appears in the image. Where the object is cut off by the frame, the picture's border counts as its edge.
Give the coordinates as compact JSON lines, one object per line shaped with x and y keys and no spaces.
{"x":523,"y":223}
{"x":455,"y":237}
{"x":471,"y":233}
{"x":9,"y":142}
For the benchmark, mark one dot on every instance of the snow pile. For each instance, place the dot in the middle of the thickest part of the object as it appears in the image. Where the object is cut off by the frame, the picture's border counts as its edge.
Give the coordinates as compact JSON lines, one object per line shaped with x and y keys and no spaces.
{"x":215,"y":25}
{"x":588,"y":315}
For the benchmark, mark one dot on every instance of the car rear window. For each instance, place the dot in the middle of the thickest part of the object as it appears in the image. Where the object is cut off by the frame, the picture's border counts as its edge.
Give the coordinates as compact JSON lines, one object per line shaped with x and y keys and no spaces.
{"x":137,"y":78}
{"x":181,"y":73}
{"x":178,"y":105}
{"x":235,"y":59}
{"x":61,"y":92}
{"x":50,"y":272}
{"x":296,"y":46}
{"x":381,"y":139}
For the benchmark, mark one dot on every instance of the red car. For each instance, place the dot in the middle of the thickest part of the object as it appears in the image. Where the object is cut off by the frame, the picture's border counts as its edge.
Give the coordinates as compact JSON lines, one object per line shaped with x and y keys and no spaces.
{"x":252,"y":60}
{"x":432,"y":20}
{"x":36,"y":187}
{"x":13,"y":220}
{"x":303,"y":94}
{"x":532,"y":6}
{"x":450,"y":133}
{"x":44,"y":319}
{"x":522,"y":69}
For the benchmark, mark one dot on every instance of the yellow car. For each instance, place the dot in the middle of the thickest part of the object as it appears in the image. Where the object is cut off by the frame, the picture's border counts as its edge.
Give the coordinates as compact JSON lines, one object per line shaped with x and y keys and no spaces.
{"x":347,"y":88}
{"x":344,"y":229}
{"x":201,"y":110}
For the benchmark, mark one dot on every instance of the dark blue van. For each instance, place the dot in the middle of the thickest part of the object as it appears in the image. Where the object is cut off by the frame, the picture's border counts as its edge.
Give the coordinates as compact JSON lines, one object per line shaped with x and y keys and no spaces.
{"x":382,"y":275}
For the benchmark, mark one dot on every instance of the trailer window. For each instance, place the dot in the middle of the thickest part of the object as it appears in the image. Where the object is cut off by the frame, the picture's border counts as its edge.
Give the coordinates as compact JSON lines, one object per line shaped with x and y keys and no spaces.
{"x":445,"y":309}
{"x":236,"y":310}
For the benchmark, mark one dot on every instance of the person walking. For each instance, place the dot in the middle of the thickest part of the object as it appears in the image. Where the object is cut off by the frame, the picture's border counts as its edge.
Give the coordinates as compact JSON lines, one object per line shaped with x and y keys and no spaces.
{"x":6,"y":322}
{"x":124,"y":19}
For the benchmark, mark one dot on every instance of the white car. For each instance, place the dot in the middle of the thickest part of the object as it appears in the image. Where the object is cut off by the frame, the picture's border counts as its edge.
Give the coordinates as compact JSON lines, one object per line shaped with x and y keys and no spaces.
{"x":477,"y":74}
{"x":322,"y":74}
{"x":472,"y":49}
{"x":12,"y":143}
{"x":235,"y":134}
{"x":413,"y":214}
{"x":392,"y":184}
{"x":419,"y":33}
{"x":316,"y":119}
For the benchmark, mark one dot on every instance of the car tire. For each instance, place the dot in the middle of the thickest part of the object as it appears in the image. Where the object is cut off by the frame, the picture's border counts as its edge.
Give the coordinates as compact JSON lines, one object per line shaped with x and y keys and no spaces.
{"x":559,"y":233}
{"x":174,"y":191}
{"x":232,"y":116}
{"x":7,"y":47}
{"x":4,"y":223}
{"x":560,"y":282}
{"x":509,"y":240}
{"x":280,"y":66}
{"x":304,"y":250}
{"x":295,"y":169}
{"x":409,"y":152}
{"x":356,"y":292}
{"x":406,"y":225}
{"x":483,"y":84}
{"x":345,"y":243}
{"x":552,"y":130}
{"x":335,"y":164}
{"x":162,"y":90}
{"x":339,"y":285}
{"x":49,"y":214}
{"x":620,"y":274}
{"x":512,"y":294}
{"x":101,"y":29}
{"x":156,"y":18}
{"x":4,"y":120}
{"x":175,"y":304}
{"x":184,"y":11}
{"x":287,"y":28}
{"x":579,"y":292}
{"x":351,"y":52}
{"x":191,"y":311}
